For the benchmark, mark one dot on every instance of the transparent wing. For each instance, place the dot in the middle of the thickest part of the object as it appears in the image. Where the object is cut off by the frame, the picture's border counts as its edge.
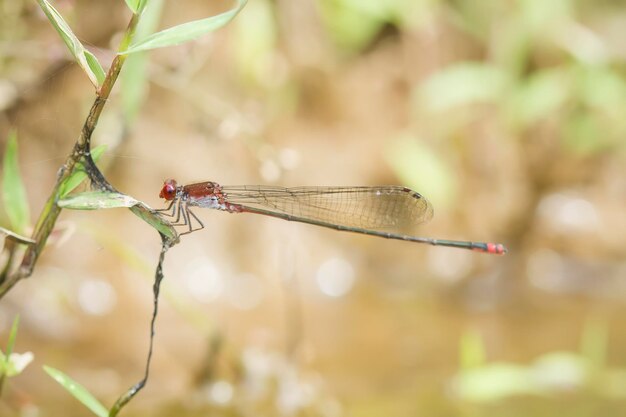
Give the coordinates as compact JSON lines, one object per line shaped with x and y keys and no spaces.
{"x":376,"y":208}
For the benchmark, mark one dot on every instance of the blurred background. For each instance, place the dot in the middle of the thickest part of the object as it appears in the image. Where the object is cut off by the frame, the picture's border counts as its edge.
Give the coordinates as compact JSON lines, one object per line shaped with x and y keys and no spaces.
{"x":507,"y":115}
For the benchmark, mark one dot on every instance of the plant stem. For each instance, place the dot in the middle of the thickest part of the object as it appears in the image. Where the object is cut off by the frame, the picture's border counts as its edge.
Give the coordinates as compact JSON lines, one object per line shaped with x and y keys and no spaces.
{"x":82,"y":148}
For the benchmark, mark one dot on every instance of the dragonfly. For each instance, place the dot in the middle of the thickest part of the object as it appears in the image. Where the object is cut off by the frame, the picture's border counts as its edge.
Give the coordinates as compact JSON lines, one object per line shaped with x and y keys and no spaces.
{"x":384,"y":211}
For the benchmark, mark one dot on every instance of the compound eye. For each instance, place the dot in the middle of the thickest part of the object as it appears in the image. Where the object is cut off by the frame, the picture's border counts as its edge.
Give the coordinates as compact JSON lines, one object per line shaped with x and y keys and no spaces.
{"x":168,"y":191}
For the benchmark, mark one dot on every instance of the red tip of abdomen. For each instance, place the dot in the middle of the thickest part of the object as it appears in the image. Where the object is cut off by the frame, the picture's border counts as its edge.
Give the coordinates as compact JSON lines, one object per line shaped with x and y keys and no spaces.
{"x":493,"y":248}
{"x":496,"y":248}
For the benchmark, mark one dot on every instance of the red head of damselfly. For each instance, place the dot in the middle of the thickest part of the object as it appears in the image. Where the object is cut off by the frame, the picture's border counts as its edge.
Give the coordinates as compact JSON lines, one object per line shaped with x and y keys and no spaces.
{"x":168,"y":192}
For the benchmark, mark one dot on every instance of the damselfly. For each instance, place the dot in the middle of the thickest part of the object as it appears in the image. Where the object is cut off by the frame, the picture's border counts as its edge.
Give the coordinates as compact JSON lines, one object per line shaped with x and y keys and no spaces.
{"x":385,"y":211}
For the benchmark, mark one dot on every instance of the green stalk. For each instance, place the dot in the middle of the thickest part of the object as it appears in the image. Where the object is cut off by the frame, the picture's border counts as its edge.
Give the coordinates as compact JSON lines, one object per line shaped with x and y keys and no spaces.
{"x":82,"y":147}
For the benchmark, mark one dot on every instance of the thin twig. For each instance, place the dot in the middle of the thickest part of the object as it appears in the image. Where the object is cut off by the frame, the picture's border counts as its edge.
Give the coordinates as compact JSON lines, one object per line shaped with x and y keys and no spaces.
{"x":158,"y":277}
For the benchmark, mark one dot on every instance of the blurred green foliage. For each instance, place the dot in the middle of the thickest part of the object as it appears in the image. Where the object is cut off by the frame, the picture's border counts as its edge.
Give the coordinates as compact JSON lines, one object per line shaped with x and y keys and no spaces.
{"x":551,"y":373}
{"x":420,"y":168}
{"x":134,"y":77}
{"x":353,"y":24}
{"x":11,"y":363}
{"x":78,"y":391}
{"x":13,"y":192}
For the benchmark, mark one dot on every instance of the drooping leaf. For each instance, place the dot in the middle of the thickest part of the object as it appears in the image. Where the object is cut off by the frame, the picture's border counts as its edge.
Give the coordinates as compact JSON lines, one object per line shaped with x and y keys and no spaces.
{"x":95,"y":200}
{"x":13,"y":192}
{"x":185,"y":32}
{"x":78,"y":391}
{"x":85,"y":59}
{"x":79,"y":174}
{"x":149,"y":216}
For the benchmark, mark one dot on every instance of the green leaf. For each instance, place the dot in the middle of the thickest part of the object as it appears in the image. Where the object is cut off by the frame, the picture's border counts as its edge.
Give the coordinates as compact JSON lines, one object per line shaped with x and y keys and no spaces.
{"x":5,"y":364}
{"x":78,"y":391}
{"x":136,"y":6}
{"x":13,"y":192}
{"x":79,"y":174}
{"x":95,"y":67}
{"x":185,"y":32}
{"x":13,"y":363}
{"x":95,"y":200}
{"x":133,"y":5}
{"x":153,"y":219}
{"x":85,"y":59}
{"x":13,"y":335}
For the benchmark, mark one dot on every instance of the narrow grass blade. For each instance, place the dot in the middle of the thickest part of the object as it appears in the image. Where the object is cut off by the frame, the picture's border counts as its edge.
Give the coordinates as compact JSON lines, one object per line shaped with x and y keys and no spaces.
{"x":133,"y":5}
{"x":13,"y":192}
{"x":12,"y":364}
{"x":79,"y":174}
{"x":185,"y":32}
{"x":95,"y":200}
{"x":85,"y":59}
{"x":13,"y":335}
{"x":136,"y":6}
{"x":78,"y":391}
{"x":5,"y":357}
{"x":16,"y":237}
